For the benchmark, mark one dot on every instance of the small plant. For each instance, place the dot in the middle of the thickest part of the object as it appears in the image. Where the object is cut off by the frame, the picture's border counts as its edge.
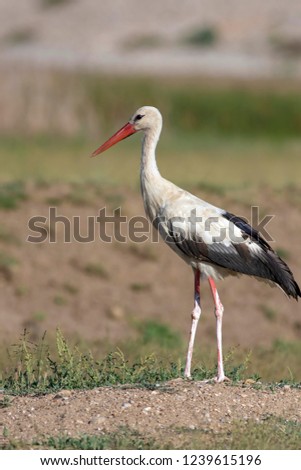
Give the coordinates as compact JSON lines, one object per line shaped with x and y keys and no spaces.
{"x":140,"y":287}
{"x":35,"y":369}
{"x":123,"y":439}
{"x":21,"y":290}
{"x":283,"y":253}
{"x":59,"y":300}
{"x":155,"y":332}
{"x":203,"y":37}
{"x":39,"y":316}
{"x":268,"y":312}
{"x":5,"y":402}
{"x":11,"y":194}
{"x":53,"y":3}
{"x":146,"y":252}
{"x":70,"y":288}
{"x":7,"y":264}
{"x":96,"y":270}
{"x":272,"y":433}
{"x":29,"y":370}
{"x":54,"y":201}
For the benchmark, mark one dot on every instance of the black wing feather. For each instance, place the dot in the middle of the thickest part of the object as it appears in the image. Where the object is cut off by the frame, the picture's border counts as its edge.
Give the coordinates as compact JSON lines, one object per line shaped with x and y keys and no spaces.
{"x":238,"y":257}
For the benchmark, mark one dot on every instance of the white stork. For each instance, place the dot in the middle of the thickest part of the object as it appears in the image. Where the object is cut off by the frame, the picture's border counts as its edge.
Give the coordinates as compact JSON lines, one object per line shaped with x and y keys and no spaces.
{"x":212,"y":241}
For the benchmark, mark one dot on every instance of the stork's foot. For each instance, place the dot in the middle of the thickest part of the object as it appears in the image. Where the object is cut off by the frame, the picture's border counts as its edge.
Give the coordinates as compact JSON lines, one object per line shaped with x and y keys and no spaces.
{"x":222,"y":378}
{"x":216,"y":380}
{"x":187,"y":377}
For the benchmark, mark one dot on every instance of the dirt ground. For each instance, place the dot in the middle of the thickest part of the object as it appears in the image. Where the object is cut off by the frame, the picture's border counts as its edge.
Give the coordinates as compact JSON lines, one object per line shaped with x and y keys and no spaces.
{"x":163,"y":414}
{"x":96,"y":291}
{"x":56,"y":284}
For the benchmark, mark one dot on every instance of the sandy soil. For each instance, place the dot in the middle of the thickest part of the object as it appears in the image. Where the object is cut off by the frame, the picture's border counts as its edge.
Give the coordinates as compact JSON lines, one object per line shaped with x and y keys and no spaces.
{"x":163,"y":414}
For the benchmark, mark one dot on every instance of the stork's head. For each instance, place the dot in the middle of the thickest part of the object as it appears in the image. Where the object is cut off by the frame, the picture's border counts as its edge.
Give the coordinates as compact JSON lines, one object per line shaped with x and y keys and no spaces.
{"x":147,"y":119}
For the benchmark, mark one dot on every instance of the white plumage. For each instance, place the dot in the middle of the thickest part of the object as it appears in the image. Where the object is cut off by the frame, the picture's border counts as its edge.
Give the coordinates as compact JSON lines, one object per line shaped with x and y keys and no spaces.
{"x":212,"y":241}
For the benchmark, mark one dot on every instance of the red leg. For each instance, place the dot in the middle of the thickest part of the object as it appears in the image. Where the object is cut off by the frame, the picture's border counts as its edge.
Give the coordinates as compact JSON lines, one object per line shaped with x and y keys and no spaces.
{"x":196,"y":313}
{"x":219,"y":310}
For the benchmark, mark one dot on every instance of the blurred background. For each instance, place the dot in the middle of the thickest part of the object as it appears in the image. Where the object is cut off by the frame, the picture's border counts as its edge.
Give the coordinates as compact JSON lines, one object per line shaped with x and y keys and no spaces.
{"x":226,"y":77}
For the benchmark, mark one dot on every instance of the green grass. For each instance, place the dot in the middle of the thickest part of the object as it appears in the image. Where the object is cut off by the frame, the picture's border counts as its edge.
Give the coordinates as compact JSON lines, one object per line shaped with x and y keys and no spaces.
{"x":203,"y":37}
{"x":283,"y":253}
{"x":7,"y":265}
{"x":144,"y":252}
{"x":60,"y":300}
{"x":153,"y":332}
{"x":192,"y":106}
{"x":213,"y":135}
{"x":272,"y":433}
{"x":123,"y":439}
{"x":96,"y":270}
{"x":53,"y":3}
{"x":216,"y":163}
{"x":268,"y":312}
{"x":140,"y":287}
{"x":70,"y":288}
{"x":40,"y":367}
{"x":11,"y":194}
{"x":33,"y":367}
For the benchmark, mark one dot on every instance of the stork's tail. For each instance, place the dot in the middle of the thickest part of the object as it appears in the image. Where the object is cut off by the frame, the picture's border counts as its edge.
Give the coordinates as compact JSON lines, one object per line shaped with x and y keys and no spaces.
{"x":274,"y":268}
{"x":282,"y":275}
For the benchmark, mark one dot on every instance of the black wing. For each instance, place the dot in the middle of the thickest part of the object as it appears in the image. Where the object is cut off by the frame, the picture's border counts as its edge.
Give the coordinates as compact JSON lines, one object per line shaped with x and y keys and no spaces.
{"x":252,"y":256}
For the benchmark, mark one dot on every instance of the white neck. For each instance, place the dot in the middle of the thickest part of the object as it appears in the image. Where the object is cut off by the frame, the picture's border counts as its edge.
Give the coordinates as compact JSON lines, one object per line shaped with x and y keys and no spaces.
{"x":149,"y":170}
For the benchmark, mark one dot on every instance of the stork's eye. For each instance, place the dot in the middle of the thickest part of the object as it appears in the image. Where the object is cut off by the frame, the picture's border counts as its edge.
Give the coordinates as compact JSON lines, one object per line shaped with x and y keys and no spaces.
{"x":138,"y":117}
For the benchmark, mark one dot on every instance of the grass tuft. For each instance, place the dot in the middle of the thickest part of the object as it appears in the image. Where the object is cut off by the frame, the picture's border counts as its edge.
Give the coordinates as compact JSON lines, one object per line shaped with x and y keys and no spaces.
{"x":268,"y":312}
{"x":140,"y":287}
{"x":38,"y":368}
{"x":272,"y":433}
{"x":34,"y":369}
{"x":7,"y":264}
{"x":159,"y":333}
{"x":11,"y":194}
{"x":144,"y":252}
{"x":203,"y":37}
{"x":96,"y":270}
{"x":123,"y":439}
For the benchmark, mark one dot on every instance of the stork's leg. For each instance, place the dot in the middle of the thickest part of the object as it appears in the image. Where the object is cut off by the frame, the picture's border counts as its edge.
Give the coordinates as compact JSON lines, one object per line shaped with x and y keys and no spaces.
{"x":196,"y":313}
{"x":219,"y":310}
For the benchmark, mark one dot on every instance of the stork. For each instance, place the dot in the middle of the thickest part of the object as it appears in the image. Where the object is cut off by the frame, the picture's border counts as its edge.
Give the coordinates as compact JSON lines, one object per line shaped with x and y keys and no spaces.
{"x":214,"y":242}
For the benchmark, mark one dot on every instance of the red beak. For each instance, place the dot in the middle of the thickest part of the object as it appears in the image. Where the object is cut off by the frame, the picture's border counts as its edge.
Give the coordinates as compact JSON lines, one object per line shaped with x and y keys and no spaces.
{"x":123,"y":133}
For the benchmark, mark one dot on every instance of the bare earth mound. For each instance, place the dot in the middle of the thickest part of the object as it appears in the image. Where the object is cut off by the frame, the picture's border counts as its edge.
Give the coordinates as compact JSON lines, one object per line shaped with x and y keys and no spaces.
{"x":164,"y":414}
